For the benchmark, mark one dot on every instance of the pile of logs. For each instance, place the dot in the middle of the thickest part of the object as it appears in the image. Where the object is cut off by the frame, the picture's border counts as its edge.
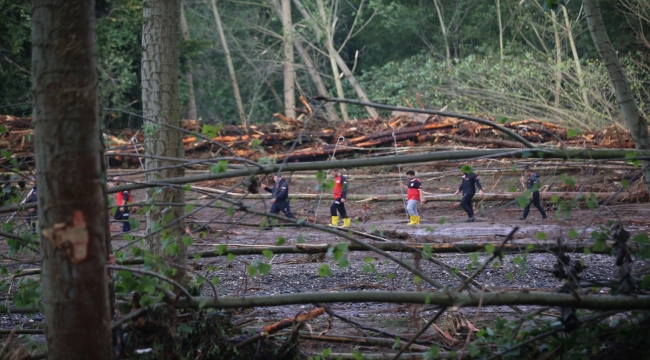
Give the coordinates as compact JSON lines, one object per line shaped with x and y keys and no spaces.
{"x":319,"y":139}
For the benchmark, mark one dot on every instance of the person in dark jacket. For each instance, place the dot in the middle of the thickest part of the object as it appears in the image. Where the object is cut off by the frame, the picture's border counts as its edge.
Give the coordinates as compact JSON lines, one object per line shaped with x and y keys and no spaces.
{"x":122,"y":200}
{"x":533,"y":184}
{"x":340,"y":193}
{"x":279,"y":198}
{"x":468,"y":186}
{"x":32,"y":214}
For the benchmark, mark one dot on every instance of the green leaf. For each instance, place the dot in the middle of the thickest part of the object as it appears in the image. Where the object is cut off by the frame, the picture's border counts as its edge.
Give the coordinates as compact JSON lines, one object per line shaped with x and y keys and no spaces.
{"x":641,"y":239}
{"x":189,"y":208}
{"x":326,"y":352}
{"x":281,"y":240}
{"x":541,"y":235}
{"x":324,"y":270}
{"x":268,"y":254}
{"x":573,"y":234}
{"x":230,"y":257}
{"x":368,"y":260}
{"x":489,"y":248}
{"x":466,"y":169}
{"x":264,"y":268}
{"x":442,"y":220}
{"x":357,"y":355}
{"x":343,"y":262}
{"x":321,"y":175}
{"x":501,"y":119}
{"x":625,"y":183}
{"x":523,"y":201}
{"x":220,"y":167}
{"x":555,"y":198}
{"x":187,"y":241}
{"x":600,"y":245}
{"x":300,"y":240}
{"x":211,"y":131}
{"x":426,"y":251}
{"x":571,"y":133}
{"x":417,"y":279}
{"x":252,"y":270}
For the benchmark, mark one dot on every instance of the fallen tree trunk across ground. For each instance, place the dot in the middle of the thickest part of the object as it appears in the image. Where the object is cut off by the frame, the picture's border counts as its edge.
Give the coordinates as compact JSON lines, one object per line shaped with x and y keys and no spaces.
{"x":602,"y":196}
{"x":531,"y":246}
{"x":441,"y":298}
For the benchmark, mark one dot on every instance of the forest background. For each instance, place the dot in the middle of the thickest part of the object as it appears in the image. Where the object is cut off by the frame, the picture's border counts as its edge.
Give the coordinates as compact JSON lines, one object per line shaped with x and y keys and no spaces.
{"x":495,"y":57}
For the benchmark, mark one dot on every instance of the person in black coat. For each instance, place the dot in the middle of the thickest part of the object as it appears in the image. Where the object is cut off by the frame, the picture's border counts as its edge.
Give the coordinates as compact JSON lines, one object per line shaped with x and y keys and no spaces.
{"x":279,"y":197}
{"x":468,"y":186}
{"x":533,"y":184}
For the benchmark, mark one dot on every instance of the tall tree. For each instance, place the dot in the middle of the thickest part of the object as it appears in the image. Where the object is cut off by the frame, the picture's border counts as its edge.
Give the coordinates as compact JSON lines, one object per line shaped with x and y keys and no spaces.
{"x":191,"y":102}
{"x":289,"y":74}
{"x":231,"y":68}
{"x":71,"y":180}
{"x":635,"y":122}
{"x":161,"y":98}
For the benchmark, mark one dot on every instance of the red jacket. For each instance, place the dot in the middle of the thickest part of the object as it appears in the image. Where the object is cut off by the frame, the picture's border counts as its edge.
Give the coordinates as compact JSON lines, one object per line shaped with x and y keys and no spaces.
{"x":340,"y":187}
{"x":413,"y":192}
{"x":121,"y":196}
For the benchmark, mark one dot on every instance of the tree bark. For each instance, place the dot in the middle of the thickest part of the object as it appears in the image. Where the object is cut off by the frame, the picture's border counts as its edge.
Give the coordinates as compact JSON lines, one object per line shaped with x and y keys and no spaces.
{"x":576,"y":59}
{"x":339,"y":61}
{"x":289,"y":73}
{"x":69,"y":155}
{"x":443,"y":29}
{"x":635,"y":122}
{"x":231,"y":68}
{"x":443,"y":298}
{"x":191,"y":102}
{"x":498,"y":2}
{"x":558,"y":61}
{"x":161,"y":102}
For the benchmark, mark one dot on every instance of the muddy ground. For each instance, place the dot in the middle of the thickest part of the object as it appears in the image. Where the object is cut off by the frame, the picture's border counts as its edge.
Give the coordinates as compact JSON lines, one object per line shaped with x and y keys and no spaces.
{"x":441,"y":223}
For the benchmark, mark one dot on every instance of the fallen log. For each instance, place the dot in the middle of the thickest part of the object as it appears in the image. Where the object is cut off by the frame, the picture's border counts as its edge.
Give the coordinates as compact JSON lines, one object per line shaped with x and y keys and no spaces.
{"x":363,"y":341}
{"x":530,"y":246}
{"x":282,"y":324}
{"x":402,"y":131}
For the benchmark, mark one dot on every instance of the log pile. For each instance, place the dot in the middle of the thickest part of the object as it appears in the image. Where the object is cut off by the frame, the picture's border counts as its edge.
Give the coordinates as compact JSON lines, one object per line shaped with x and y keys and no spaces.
{"x":319,"y":139}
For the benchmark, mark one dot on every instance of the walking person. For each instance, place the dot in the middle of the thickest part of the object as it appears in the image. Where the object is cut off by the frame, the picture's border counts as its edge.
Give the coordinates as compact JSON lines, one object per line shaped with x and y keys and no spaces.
{"x":468,"y":186}
{"x":533,"y":184}
{"x":122,"y":200}
{"x":340,"y":193}
{"x":32,"y":214}
{"x":279,"y":198}
{"x":413,"y":197}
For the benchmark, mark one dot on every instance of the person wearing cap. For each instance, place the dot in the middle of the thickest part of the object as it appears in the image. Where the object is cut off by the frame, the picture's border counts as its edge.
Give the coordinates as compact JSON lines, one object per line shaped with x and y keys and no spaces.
{"x":279,"y":197}
{"x":122,"y":200}
{"x":533,"y":184}
{"x":468,"y":185}
{"x":413,"y":197}
{"x":340,"y":193}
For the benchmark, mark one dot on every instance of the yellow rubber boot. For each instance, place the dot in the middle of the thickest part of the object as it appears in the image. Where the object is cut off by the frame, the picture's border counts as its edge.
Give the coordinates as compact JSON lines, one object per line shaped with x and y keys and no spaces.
{"x":417,"y":219}
{"x":412,"y":222}
{"x":335,"y":221}
{"x":346,"y":222}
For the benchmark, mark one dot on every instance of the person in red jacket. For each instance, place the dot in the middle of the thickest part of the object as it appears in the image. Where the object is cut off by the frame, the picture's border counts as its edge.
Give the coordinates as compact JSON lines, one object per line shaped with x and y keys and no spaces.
{"x":340,"y":193}
{"x":123,"y":198}
{"x":413,"y":197}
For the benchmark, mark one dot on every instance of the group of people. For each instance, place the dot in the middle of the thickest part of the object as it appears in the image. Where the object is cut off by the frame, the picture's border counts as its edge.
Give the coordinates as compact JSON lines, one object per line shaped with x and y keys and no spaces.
{"x":469,"y":185}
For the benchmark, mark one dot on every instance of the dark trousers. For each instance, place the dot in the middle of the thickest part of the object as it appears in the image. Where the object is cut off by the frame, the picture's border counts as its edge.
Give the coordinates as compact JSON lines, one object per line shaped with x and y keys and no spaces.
{"x":283,"y":206}
{"x":339,"y":206}
{"x":466,"y":204}
{"x":535,"y":202}
{"x":31,"y":220}
{"x":124,"y":218}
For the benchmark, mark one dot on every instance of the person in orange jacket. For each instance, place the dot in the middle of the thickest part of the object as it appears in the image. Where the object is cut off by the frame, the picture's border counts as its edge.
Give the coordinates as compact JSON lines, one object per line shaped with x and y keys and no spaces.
{"x":122,"y":200}
{"x":340,"y":193}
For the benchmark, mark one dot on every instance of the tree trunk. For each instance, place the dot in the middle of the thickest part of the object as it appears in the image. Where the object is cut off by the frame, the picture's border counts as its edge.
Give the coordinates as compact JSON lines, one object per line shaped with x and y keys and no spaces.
{"x":576,"y":59}
{"x":231,"y":68}
{"x":327,"y":25}
{"x":161,"y":102}
{"x":311,"y":68}
{"x":558,"y":60}
{"x":339,"y":61}
{"x":289,"y":73}
{"x":71,"y":189}
{"x":443,"y":29}
{"x":635,"y":121}
{"x":498,"y":2}
{"x":191,"y":102}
